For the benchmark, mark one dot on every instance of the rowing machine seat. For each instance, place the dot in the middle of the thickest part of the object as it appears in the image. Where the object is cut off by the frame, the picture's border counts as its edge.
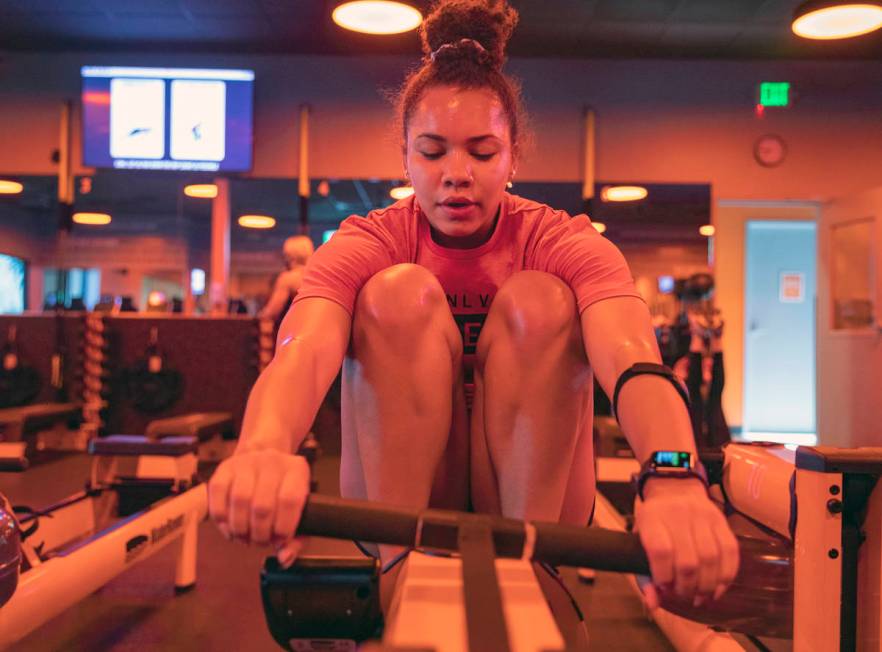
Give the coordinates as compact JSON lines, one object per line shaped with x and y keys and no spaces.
{"x":125,"y":445}
{"x":202,"y":425}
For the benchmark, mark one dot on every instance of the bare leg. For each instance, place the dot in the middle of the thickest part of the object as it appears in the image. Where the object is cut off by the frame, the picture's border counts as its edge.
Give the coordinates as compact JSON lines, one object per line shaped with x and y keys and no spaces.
{"x":532,"y":451}
{"x":404,"y":425}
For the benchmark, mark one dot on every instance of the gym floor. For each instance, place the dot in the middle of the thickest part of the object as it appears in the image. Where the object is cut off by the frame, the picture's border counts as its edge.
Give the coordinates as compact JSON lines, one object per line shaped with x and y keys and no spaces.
{"x":139,"y":611}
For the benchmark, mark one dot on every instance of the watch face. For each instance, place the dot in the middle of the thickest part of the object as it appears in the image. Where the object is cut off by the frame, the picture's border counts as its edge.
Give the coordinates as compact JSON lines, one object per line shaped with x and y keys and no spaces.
{"x":672,"y":460}
{"x":769,"y":150}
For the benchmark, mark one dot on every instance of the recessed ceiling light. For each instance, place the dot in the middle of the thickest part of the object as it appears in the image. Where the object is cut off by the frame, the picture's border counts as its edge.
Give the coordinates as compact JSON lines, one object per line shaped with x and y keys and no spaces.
{"x":92,"y":219}
{"x":827,"y":20}
{"x":623,"y":193}
{"x":377,"y":17}
{"x":707,"y":230}
{"x":257,"y":221}
{"x":600,"y":226}
{"x":401,"y":192}
{"x":201,"y":190}
{"x":10,"y":187}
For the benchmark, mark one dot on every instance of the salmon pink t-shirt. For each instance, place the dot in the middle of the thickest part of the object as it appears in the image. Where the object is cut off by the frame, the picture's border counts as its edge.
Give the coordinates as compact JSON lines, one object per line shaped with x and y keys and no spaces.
{"x":528,"y":236}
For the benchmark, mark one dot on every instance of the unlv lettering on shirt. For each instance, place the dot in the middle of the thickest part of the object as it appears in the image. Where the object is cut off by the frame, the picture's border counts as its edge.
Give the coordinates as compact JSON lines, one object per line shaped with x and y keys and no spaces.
{"x":466,"y":300}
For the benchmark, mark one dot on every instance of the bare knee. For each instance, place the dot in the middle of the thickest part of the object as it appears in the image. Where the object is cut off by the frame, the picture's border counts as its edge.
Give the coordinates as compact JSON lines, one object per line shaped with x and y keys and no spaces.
{"x":400,"y":299}
{"x":535,"y":307}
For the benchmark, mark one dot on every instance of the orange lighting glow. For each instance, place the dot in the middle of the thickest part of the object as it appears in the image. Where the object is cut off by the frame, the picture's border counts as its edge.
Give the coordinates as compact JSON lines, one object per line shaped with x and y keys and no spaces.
{"x":257,"y":221}
{"x":401,"y":192}
{"x":600,"y":226}
{"x":838,"y":21}
{"x":97,"y":97}
{"x":201,"y":190}
{"x":707,"y":230}
{"x":10,"y":187}
{"x":156,"y":299}
{"x":623,"y":193}
{"x":377,"y":17}
{"x":93,"y":219}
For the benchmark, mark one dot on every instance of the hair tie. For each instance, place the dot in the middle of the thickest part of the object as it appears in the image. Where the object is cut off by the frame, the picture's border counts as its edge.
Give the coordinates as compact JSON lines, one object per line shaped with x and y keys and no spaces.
{"x":463,"y":42}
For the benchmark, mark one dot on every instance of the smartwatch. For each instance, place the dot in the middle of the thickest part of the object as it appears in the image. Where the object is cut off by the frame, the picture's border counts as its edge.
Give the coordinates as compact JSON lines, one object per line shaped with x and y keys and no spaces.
{"x":670,"y":464}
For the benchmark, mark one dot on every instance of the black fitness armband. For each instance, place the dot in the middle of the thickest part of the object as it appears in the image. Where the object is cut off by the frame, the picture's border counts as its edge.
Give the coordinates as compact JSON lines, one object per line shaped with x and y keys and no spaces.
{"x":652,"y":369}
{"x":670,"y":464}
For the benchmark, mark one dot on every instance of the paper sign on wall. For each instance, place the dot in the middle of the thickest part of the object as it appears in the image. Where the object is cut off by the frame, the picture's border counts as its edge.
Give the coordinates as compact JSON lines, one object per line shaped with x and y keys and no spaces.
{"x":791,"y":287}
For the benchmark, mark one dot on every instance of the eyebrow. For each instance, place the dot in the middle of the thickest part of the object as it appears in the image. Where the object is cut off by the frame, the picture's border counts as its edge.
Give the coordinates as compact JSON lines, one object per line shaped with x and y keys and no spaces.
{"x":472,"y":140}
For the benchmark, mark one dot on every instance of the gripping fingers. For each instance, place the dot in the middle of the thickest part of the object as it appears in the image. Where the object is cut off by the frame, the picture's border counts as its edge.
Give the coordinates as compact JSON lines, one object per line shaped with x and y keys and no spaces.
{"x":263,"y":507}
{"x":291,"y":498}
{"x":708,"y":559}
{"x":686,"y":564}
{"x":729,"y":557}
{"x":218,"y":496}
{"x":241,"y":493}
{"x":657,"y":542}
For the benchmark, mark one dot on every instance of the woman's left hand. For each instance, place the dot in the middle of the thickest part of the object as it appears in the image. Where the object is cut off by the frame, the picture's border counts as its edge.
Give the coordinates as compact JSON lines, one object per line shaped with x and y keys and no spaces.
{"x":690,"y":547}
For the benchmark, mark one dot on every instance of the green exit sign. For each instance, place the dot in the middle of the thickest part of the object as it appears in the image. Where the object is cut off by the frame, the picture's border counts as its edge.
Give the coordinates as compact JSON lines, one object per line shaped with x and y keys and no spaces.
{"x":775,"y":94}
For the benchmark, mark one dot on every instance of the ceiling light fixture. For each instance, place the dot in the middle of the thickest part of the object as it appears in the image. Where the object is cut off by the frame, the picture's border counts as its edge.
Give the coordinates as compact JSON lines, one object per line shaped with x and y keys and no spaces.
{"x":8,"y":187}
{"x":401,"y":192}
{"x":707,"y":230}
{"x":623,"y":193}
{"x":377,"y":17}
{"x":600,"y":226}
{"x":201,"y":190}
{"x":257,"y":221}
{"x":92,"y":219}
{"x":827,"y":19}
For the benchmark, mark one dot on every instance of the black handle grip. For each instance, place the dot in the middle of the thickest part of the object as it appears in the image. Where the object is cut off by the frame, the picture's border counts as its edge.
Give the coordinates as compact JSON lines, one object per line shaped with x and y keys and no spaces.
{"x":340,"y":518}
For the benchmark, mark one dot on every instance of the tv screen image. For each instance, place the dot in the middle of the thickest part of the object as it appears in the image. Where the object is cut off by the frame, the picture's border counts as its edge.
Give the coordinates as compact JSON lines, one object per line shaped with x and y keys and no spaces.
{"x":189,"y":119}
{"x":12,"y":285}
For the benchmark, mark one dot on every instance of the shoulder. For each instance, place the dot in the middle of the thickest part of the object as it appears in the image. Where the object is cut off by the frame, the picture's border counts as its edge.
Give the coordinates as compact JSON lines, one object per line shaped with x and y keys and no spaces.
{"x":532,"y":215}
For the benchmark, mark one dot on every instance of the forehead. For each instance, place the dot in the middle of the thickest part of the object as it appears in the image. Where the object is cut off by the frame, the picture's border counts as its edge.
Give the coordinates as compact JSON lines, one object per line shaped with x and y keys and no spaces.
{"x":459,"y":114}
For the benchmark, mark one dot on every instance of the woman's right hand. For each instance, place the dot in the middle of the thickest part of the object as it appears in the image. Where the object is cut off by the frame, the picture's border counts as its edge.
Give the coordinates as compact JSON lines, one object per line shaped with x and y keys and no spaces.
{"x":257,"y":497}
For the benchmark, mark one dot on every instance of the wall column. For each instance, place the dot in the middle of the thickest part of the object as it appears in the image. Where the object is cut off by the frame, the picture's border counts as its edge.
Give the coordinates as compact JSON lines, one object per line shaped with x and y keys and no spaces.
{"x":220,"y":248}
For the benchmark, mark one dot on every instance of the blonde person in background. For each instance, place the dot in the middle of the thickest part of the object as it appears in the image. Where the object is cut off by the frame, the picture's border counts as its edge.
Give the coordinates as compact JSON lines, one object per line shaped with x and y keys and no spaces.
{"x":297,"y":251}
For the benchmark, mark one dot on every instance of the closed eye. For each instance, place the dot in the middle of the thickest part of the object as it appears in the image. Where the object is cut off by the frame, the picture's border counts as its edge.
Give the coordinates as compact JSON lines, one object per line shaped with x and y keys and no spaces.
{"x":483,"y":157}
{"x":432,"y":155}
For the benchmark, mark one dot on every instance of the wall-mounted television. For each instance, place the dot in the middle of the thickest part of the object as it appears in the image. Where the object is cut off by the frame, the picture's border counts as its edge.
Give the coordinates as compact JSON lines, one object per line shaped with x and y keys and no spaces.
{"x":12,"y":285}
{"x":188,"y":119}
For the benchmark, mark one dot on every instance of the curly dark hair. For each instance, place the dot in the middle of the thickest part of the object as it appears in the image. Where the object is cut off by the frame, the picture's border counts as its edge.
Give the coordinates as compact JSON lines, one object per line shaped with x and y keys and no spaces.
{"x":463,"y":44}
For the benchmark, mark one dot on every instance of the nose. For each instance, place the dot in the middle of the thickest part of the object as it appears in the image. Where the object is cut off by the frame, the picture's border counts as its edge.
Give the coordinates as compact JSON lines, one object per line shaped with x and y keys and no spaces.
{"x":458,"y":171}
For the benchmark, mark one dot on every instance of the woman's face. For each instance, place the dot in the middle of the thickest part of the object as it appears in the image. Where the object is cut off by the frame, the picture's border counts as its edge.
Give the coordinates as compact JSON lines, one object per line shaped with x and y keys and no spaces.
{"x":459,"y":157}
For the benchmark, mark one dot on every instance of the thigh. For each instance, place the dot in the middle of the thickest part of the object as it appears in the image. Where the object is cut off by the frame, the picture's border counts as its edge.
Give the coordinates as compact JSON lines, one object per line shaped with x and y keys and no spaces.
{"x":531,"y":434}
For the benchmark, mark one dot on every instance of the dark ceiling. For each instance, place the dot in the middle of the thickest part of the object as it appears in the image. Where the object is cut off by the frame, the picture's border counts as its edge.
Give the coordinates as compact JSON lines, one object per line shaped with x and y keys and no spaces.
{"x":731,"y":29}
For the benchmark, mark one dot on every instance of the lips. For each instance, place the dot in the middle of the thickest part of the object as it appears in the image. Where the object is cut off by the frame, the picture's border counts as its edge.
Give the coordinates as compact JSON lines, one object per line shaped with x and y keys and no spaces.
{"x":457,"y":202}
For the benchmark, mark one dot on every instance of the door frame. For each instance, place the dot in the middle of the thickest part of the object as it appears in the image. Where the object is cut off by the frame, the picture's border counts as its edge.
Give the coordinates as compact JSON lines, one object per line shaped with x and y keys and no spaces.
{"x":730,"y":219}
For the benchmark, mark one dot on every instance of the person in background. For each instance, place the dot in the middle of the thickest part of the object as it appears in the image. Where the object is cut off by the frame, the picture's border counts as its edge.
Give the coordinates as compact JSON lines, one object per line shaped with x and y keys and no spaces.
{"x":297,"y":251}
{"x":702,"y":370}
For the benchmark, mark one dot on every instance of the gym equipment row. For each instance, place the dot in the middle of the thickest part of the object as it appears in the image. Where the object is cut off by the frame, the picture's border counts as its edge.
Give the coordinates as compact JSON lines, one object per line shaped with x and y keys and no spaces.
{"x":68,"y":378}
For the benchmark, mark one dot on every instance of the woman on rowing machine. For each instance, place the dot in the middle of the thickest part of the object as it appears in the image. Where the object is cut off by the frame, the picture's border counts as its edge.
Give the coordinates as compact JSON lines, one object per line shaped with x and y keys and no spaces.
{"x":469,"y":322}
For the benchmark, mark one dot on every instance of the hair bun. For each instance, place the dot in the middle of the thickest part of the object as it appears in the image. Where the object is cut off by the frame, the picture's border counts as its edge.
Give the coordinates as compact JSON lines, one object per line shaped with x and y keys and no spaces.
{"x":455,"y":23}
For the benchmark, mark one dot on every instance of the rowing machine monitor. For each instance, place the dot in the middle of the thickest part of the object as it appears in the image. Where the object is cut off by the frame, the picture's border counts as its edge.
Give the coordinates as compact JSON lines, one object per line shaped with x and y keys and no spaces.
{"x":321,"y":600}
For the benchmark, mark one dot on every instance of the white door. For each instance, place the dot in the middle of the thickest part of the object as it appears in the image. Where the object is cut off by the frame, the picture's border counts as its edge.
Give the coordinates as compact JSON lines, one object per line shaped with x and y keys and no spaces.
{"x":779,"y":331}
{"x":849,"y":321}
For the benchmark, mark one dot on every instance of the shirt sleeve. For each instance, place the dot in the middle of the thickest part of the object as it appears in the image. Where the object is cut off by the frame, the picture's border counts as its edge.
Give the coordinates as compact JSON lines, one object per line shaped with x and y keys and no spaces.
{"x":573,"y":250}
{"x":360,"y":248}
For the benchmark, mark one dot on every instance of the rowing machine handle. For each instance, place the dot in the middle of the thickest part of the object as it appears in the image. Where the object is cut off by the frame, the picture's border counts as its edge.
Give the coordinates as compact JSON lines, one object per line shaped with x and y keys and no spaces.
{"x":555,"y":544}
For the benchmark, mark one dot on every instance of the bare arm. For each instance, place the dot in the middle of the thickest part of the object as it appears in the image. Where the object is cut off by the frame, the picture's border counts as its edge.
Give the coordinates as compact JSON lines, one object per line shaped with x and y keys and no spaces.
{"x":311,"y":345}
{"x":690,"y":547}
{"x":617,"y":333}
{"x":257,"y":494}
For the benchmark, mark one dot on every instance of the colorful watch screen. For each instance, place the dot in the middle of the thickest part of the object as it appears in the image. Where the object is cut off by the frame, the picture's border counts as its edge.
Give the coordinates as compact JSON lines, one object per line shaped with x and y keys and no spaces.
{"x":672,"y":459}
